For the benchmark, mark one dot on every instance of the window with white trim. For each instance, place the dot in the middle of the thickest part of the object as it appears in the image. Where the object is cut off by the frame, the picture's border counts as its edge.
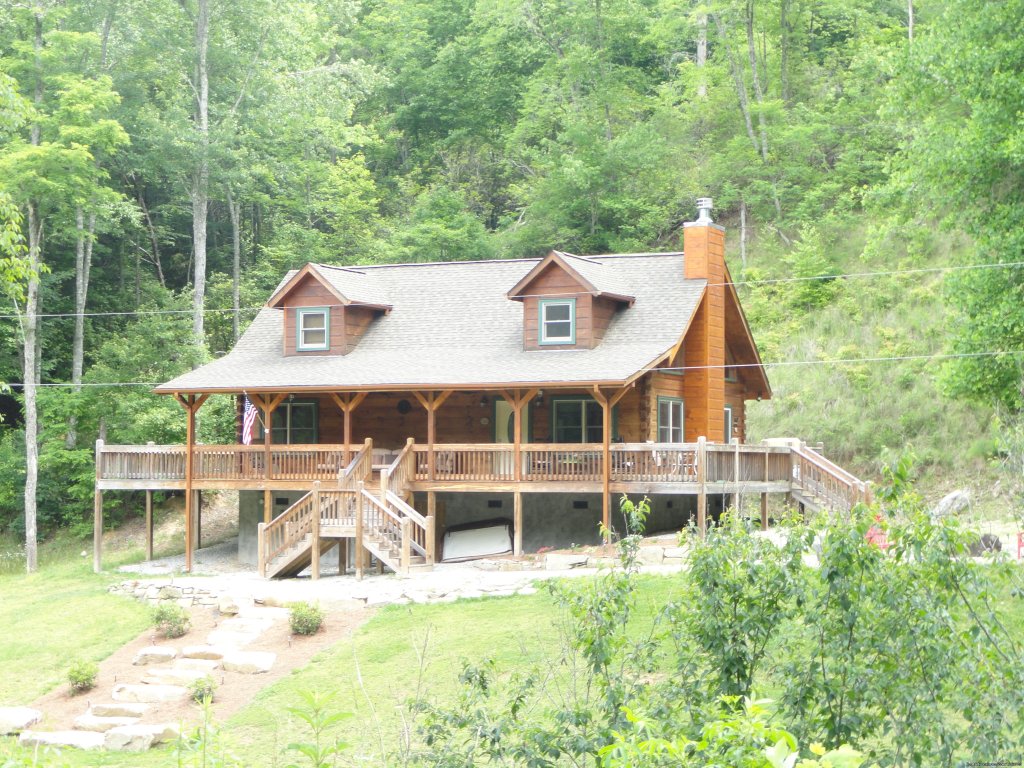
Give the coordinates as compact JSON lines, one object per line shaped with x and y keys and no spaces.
{"x":313,"y":329}
{"x":670,"y":420}
{"x":557,"y":321}
{"x":728,"y":424}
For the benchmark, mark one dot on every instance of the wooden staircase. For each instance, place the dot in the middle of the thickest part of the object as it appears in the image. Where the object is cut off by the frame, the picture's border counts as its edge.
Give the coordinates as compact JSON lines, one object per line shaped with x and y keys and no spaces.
{"x":379,"y":522}
{"x":819,"y":484}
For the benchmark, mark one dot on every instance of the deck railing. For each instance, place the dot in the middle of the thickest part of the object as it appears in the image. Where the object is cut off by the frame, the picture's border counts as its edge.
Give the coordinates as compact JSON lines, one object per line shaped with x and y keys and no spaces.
{"x":483,"y":463}
{"x":833,"y":485}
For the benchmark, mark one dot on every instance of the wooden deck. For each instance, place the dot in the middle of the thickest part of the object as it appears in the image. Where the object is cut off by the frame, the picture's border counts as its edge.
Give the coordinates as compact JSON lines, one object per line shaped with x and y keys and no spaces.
{"x":538,"y":468}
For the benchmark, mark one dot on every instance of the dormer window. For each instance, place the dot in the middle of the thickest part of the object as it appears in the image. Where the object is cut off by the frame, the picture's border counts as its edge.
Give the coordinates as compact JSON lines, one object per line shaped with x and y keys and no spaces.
{"x":312,"y":329}
{"x":558,"y":321}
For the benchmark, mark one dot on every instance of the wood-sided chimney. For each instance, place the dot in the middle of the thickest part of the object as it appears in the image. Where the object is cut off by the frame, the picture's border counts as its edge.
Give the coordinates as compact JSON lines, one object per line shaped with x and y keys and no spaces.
{"x":704,"y":380}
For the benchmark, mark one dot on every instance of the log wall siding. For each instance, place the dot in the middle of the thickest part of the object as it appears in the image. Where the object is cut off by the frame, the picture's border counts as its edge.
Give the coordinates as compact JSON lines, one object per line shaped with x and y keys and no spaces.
{"x":704,"y":382}
{"x":357,"y":321}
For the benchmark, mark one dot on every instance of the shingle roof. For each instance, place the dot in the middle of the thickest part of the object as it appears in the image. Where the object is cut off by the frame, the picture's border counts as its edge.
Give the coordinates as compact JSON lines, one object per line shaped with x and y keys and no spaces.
{"x":453,"y":325}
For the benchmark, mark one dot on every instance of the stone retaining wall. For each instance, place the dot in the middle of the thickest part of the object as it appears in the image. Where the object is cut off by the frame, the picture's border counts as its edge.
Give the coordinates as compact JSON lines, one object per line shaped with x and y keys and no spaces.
{"x":155,"y":592}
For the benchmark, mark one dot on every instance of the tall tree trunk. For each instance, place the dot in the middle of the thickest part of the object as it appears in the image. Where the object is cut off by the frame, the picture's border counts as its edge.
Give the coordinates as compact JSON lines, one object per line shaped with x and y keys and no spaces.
{"x":30,"y":328}
{"x":702,"y":53}
{"x":738,"y":80}
{"x":910,"y":21}
{"x":743,"y":233}
{"x":154,"y":241}
{"x":201,"y":174}
{"x":784,"y":31}
{"x":756,"y":80}
{"x":235,"y":209}
{"x":83,"y":266}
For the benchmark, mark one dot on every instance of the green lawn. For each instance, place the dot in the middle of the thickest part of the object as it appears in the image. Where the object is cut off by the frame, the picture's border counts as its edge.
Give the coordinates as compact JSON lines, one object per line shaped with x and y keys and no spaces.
{"x":54,"y":616}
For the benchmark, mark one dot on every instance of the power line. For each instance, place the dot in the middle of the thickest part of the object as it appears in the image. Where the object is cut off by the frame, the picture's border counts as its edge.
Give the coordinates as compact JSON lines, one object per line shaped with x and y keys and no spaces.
{"x":777,"y":364}
{"x":765,"y":281}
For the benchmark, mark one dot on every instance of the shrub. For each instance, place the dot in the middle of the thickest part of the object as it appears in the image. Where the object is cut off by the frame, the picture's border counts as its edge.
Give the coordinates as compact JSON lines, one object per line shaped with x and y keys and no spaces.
{"x":202,"y":689}
{"x":82,"y":676}
{"x":171,"y":620}
{"x":305,"y":618}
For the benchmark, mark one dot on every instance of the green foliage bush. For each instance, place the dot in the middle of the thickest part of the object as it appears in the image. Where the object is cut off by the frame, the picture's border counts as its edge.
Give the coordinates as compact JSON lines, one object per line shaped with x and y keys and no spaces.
{"x":894,"y":655}
{"x":305,"y":618}
{"x":82,"y":676}
{"x":171,"y":620}
{"x":202,"y":689}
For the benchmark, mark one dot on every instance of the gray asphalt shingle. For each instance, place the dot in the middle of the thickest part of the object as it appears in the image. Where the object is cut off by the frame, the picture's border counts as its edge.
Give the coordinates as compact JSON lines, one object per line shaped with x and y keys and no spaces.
{"x":452,"y":324}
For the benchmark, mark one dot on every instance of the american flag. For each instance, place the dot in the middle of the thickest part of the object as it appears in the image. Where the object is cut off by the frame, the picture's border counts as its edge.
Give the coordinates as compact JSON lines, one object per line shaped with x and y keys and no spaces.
{"x":249,"y":415}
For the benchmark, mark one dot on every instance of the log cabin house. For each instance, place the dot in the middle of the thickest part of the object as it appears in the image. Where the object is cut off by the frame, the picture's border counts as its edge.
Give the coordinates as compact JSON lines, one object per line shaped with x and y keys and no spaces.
{"x":409,"y":401}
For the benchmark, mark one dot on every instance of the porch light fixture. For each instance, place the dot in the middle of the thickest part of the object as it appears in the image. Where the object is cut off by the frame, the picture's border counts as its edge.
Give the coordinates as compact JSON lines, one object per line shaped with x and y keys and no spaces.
{"x":483,"y":401}
{"x":539,"y":400}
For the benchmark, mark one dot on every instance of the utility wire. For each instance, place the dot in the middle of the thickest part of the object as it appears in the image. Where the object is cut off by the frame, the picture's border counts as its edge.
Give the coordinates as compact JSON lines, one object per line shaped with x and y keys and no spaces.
{"x":778,"y":364}
{"x":765,"y":281}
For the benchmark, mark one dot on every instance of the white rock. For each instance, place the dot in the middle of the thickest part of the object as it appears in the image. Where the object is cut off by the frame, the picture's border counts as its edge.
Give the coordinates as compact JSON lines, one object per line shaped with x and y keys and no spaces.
{"x":560,"y":562}
{"x":16,"y":719}
{"x":75,"y":739}
{"x":206,"y":665}
{"x":249,"y":662}
{"x":952,"y":504}
{"x":676,"y":553}
{"x":212,"y":652}
{"x":172,"y":676}
{"x":118,"y":709}
{"x":230,"y":639}
{"x":149,"y":694}
{"x":154,"y":654}
{"x":228,"y":606}
{"x":129,"y":738}
{"x":651,"y":555}
{"x":91,"y":722}
{"x":528,"y":591}
{"x":246,"y":626}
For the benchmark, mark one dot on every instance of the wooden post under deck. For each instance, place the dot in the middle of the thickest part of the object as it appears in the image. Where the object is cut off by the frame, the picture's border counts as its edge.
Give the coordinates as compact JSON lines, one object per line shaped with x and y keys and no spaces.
{"x":267,"y":406}
{"x":97,"y":514}
{"x":342,"y":557}
{"x":316,"y":530}
{"x":702,"y":491}
{"x":517,"y":522}
{"x":358,"y":542}
{"x":149,"y":525}
{"x":764,"y":511}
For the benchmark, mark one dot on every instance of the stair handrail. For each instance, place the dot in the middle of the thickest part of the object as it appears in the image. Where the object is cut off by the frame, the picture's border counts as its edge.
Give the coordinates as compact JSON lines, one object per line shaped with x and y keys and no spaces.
{"x":397,"y":475}
{"x":858,"y":490}
{"x":419,"y":539}
{"x":359,"y":468}
{"x":286,"y":529}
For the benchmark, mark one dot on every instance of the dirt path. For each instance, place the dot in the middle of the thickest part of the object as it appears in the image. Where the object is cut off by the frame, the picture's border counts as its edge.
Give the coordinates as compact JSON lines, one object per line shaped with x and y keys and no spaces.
{"x":234,"y":690}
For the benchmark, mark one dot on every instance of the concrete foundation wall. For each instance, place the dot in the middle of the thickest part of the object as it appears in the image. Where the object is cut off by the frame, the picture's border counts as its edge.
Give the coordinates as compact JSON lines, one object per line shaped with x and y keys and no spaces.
{"x":560,"y":520}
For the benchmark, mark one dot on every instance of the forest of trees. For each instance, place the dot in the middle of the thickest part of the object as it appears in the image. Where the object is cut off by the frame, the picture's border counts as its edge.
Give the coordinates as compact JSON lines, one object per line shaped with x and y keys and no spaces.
{"x":163,"y":162}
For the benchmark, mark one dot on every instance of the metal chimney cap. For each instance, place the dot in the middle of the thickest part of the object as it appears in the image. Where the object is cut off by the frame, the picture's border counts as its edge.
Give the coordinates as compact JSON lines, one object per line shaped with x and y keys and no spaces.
{"x":704,"y":206}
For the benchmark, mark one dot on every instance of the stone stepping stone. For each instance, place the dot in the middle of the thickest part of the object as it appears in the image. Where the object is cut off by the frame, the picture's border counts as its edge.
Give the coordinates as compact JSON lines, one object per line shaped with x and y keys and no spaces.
{"x":249,"y":662}
{"x":231,"y":639}
{"x":118,"y":709}
{"x":91,"y":722}
{"x":205,"y":665}
{"x":247,"y":625}
{"x":172,"y":676}
{"x":155,"y":654}
{"x":149,"y":694}
{"x":206,"y":652}
{"x":17,"y":719}
{"x":139,"y":738}
{"x":75,"y":739}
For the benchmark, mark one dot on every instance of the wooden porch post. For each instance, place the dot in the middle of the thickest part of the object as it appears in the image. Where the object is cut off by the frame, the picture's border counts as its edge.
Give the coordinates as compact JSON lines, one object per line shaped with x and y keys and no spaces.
{"x":517,"y":522}
{"x":359,"y":530}
{"x":764,"y":511}
{"x":431,"y":401}
{"x":267,"y":406}
{"x":191,"y":403}
{"x":607,"y":403}
{"x":316,"y":530}
{"x":347,"y":403}
{"x":518,"y":401}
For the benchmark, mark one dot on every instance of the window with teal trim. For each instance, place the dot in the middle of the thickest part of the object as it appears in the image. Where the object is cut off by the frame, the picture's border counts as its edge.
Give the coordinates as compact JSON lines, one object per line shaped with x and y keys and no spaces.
{"x":313,"y":329}
{"x":557,"y":321}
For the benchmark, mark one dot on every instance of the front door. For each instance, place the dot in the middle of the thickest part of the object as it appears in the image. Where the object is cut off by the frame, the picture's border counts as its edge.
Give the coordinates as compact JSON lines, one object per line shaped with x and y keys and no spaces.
{"x":505,"y":432}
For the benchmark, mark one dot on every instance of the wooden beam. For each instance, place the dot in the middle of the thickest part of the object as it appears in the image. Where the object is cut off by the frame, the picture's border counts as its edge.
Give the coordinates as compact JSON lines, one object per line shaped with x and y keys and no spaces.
{"x":149,"y":524}
{"x":606,"y":462}
{"x":764,"y":511}
{"x":517,"y":523}
{"x":702,"y":492}
{"x":316,"y":530}
{"x":97,"y":531}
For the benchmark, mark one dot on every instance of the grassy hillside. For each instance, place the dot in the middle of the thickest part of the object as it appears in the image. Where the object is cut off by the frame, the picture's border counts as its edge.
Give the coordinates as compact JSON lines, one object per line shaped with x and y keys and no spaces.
{"x":808,"y":329}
